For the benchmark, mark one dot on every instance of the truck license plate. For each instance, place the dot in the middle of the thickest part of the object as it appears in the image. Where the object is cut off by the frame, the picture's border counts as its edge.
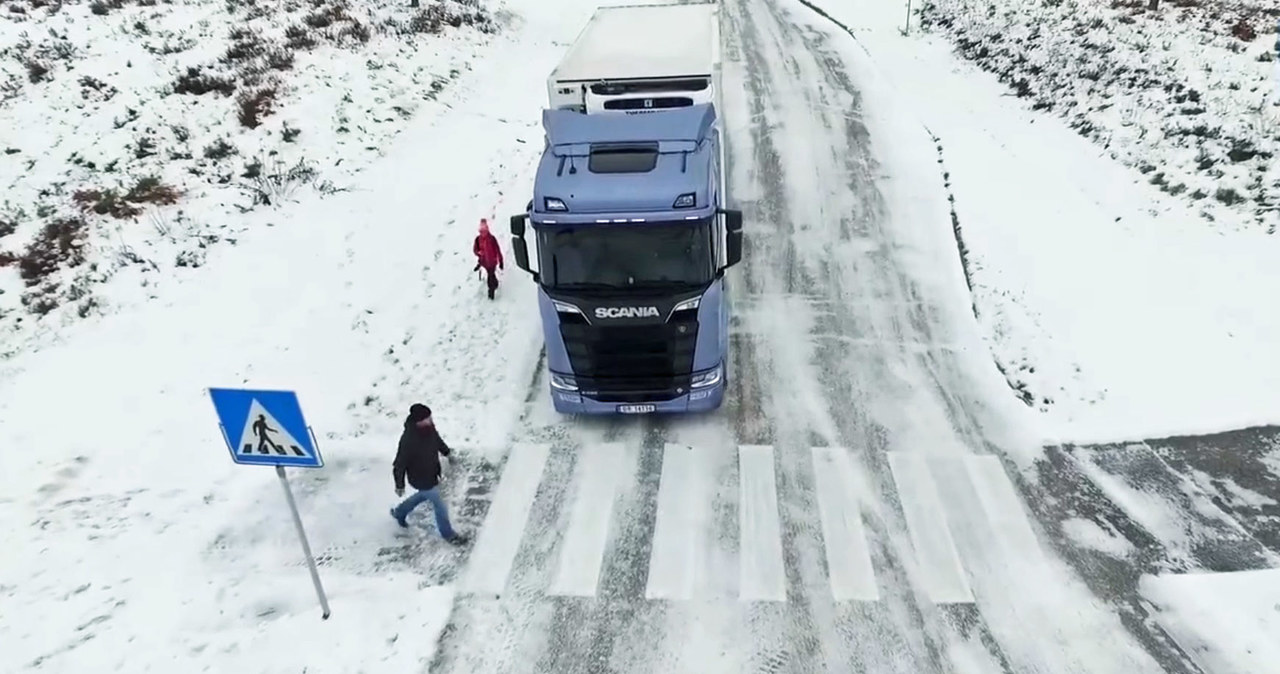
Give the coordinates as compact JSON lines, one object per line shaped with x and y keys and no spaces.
{"x":637,"y":409}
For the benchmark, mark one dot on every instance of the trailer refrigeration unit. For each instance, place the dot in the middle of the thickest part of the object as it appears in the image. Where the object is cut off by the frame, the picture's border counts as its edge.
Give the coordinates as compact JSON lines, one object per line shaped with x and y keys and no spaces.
{"x":630,"y":236}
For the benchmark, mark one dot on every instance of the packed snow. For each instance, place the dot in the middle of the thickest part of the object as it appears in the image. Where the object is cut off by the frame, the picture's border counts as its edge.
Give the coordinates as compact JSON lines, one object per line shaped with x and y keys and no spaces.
{"x":1089,"y":534}
{"x":1226,"y":622}
{"x":138,"y":134}
{"x":1114,"y":311}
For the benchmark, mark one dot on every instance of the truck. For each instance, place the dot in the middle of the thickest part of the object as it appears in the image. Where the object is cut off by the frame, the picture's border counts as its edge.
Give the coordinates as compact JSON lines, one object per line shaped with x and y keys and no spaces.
{"x":631,"y":239}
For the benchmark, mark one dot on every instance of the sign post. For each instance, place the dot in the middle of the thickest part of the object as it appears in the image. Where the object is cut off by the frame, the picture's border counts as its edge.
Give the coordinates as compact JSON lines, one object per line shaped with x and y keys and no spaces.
{"x":271,"y":431}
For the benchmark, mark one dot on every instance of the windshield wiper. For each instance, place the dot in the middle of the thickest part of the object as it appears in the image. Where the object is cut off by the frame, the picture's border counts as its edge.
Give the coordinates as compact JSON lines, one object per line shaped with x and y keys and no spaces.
{"x":587,"y":285}
{"x":663,"y":284}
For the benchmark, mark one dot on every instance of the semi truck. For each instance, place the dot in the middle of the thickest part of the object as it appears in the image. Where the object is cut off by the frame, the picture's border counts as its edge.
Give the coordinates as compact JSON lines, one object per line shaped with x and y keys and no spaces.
{"x":631,"y":239}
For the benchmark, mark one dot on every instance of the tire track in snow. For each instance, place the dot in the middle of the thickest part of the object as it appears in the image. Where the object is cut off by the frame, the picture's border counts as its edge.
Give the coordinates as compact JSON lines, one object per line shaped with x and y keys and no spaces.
{"x":910,"y":635}
{"x":787,"y":637}
{"x":812,"y":632}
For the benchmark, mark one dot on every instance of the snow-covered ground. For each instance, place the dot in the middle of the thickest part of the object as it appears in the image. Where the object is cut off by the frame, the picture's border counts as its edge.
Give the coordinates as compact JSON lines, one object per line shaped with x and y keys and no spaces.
{"x":1113,"y":308}
{"x":138,"y":134}
{"x":1185,"y":93}
{"x":1227,"y":622}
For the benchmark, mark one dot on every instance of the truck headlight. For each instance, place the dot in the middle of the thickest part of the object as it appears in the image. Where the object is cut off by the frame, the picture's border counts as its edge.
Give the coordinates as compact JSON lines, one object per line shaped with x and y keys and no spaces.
{"x":565,"y":308}
{"x":686,"y":200}
{"x":692,"y":303}
{"x":564,"y":382}
{"x":709,"y":378}
{"x":554,"y":204}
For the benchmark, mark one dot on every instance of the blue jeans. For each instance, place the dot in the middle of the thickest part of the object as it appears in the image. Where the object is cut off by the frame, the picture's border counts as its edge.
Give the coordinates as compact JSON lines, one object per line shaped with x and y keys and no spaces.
{"x":437,"y":504}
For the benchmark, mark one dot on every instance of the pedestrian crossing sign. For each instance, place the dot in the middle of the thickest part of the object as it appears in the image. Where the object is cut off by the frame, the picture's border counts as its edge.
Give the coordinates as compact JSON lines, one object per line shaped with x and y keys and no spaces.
{"x":265,"y":428}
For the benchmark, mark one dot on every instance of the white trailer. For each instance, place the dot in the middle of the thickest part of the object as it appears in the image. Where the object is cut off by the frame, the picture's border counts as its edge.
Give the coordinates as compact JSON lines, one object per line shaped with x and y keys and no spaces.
{"x":635,"y":59}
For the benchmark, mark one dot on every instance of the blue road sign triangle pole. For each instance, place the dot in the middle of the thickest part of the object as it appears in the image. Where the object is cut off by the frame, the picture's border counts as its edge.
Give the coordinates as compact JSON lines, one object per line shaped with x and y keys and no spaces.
{"x":302,"y":536}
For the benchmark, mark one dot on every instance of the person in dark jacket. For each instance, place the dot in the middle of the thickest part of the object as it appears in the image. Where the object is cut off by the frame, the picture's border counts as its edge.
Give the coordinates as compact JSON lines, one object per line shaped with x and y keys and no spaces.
{"x":418,"y":459}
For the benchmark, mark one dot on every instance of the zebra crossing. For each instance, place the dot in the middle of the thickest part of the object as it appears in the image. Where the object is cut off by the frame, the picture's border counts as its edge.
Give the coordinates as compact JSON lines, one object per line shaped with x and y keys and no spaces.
{"x":684,"y":521}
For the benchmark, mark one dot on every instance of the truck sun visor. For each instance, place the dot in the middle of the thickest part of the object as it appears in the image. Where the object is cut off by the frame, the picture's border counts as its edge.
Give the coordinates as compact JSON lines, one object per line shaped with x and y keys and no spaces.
{"x":638,"y":158}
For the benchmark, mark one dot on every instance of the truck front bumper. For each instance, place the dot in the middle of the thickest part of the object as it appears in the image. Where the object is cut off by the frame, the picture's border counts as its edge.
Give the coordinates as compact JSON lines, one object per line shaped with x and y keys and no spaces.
{"x":701,"y":400}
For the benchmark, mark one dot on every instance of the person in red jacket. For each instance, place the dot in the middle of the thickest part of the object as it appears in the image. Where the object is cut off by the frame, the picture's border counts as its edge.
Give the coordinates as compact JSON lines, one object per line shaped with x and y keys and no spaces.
{"x":488,"y":255}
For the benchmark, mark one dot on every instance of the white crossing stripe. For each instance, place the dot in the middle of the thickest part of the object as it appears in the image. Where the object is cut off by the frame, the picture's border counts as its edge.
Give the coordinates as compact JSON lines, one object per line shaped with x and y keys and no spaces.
{"x":943,"y":577}
{"x":1003,"y":508}
{"x":495,"y":549}
{"x":761,"y":573}
{"x":599,"y":468}
{"x":848,"y":555}
{"x":684,"y":504}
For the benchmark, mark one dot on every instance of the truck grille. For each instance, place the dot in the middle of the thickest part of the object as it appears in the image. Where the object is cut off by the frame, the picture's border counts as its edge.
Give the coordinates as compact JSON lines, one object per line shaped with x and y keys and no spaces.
{"x":632,"y":363}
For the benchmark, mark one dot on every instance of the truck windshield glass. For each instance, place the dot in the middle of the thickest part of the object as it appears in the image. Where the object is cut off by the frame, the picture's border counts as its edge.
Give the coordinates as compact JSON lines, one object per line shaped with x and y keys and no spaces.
{"x":651,"y":255}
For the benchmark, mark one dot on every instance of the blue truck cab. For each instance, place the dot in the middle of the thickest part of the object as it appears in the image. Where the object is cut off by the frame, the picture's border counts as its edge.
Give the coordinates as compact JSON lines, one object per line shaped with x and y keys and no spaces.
{"x":631,"y":242}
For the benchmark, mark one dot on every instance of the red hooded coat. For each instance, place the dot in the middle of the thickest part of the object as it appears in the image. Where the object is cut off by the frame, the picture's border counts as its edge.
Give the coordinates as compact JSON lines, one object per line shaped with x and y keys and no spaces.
{"x":486,"y":248}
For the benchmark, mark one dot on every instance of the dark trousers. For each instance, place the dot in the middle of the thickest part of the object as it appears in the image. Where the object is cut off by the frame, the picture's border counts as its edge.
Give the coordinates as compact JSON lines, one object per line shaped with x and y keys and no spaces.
{"x":492,"y":280}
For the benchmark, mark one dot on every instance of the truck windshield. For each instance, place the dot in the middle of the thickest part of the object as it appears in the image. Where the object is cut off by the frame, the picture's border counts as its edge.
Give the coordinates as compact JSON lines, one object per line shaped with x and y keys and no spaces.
{"x":607,"y":257}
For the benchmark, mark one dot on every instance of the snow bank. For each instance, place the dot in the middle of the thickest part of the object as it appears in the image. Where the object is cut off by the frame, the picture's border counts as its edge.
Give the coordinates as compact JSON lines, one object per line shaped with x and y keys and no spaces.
{"x":1114,"y":311}
{"x":1183,"y":94}
{"x":138,"y":133}
{"x":1227,"y":622}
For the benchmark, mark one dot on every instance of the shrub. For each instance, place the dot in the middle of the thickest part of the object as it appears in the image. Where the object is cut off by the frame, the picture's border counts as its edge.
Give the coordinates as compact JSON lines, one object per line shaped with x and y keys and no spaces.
{"x":245,"y":44}
{"x":219,"y":149}
{"x":256,"y":105}
{"x":59,"y":244}
{"x":198,"y":83}
{"x":148,"y":190}
{"x":104,"y":7}
{"x":280,"y":59}
{"x":299,"y":37}
{"x":37,"y":72}
{"x":326,"y":17}
{"x":355,"y":30}
{"x":1243,"y":31}
{"x":105,"y":202}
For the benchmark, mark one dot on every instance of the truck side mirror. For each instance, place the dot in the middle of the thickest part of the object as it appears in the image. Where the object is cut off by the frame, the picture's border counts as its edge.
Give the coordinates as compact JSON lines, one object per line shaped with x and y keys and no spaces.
{"x":733,"y":237}
{"x":518,"y":244}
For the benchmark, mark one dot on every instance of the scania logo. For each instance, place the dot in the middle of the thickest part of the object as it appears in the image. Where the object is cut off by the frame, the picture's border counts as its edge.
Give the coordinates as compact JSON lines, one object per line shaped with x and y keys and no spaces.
{"x":627,"y":312}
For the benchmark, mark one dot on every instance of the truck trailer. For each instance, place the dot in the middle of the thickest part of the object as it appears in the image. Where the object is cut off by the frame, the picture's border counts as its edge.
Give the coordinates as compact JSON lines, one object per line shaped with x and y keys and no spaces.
{"x":640,"y":58}
{"x":631,"y":237}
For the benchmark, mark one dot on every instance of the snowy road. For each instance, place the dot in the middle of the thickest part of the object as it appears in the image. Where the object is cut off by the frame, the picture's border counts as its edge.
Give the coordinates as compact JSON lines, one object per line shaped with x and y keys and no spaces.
{"x":846,"y":511}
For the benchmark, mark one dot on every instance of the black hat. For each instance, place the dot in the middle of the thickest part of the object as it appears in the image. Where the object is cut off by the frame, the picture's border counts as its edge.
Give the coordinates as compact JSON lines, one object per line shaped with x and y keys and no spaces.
{"x":418,"y":412}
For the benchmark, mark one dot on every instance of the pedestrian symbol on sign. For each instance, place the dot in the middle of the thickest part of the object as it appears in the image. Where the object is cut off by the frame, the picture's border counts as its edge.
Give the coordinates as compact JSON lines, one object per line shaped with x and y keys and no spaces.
{"x":260,"y":428}
{"x":259,"y":435}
